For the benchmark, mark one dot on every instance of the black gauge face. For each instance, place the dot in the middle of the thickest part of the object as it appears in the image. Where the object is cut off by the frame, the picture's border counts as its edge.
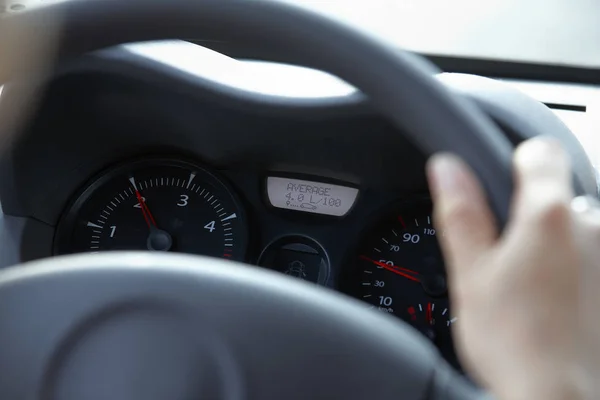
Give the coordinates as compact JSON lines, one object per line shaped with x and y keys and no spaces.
{"x":159,"y":205}
{"x":399,"y":270}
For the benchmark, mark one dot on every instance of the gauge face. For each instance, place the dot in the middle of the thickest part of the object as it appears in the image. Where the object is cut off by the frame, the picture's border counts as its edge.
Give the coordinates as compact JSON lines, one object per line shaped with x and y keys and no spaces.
{"x":399,"y":270}
{"x":159,"y":205}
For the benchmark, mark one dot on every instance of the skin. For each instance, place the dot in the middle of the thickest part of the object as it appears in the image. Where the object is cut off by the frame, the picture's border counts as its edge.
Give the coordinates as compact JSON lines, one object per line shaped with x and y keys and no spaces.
{"x":520,"y":295}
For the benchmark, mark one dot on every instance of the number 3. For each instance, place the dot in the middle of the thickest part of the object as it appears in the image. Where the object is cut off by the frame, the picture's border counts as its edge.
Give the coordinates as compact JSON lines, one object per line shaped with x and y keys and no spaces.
{"x":183,"y":200}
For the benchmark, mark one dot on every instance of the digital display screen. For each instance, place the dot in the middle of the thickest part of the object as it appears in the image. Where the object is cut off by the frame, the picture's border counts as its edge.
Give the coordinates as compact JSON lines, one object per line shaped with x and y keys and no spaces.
{"x":311,"y":197}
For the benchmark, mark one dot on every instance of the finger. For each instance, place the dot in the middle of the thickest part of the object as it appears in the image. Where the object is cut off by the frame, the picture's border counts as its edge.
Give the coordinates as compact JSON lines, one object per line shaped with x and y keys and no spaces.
{"x":543,"y":184}
{"x":461,"y":212}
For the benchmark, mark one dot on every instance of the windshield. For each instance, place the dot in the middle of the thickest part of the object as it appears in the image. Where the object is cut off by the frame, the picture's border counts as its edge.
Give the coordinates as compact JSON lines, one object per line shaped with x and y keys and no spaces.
{"x":561,"y":32}
{"x":558,"y":32}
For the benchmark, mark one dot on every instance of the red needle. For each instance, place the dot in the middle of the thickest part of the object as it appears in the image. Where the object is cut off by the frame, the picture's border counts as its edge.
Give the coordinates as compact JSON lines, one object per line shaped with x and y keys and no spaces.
{"x":428,"y":317}
{"x":404,"y":272}
{"x":145,"y":210}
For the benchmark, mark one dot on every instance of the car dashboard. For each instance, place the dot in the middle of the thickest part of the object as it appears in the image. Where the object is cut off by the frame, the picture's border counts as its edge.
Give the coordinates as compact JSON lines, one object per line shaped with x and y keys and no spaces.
{"x":169,"y":146}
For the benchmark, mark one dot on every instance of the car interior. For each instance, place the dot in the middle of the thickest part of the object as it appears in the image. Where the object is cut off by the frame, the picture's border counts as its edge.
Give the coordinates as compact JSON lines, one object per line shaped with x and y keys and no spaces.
{"x":227,"y":199}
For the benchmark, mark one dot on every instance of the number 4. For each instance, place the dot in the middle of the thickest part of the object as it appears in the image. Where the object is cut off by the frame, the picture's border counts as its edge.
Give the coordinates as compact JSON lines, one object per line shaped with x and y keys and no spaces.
{"x":210,"y":226}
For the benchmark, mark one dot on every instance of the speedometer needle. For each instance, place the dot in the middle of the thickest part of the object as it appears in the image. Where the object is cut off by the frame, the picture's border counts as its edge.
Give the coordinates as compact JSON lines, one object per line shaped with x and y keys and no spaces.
{"x":404,"y":272}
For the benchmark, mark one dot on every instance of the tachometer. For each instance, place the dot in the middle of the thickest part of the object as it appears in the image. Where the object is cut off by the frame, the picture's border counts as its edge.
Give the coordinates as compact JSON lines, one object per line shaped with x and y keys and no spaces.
{"x":155,"y":204}
{"x":399,"y":270}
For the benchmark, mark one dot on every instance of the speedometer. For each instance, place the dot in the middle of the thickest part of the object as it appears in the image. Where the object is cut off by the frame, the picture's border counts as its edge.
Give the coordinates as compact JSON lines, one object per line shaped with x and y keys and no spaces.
{"x":399,"y":270}
{"x":158,"y":205}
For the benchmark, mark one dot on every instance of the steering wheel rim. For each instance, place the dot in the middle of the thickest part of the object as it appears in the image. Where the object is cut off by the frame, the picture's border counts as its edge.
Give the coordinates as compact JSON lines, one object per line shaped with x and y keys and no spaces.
{"x":398,"y":84}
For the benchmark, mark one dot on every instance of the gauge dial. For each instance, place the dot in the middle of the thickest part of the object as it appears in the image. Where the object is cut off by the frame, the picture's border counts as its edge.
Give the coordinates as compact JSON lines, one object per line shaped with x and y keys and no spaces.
{"x":159,"y":205}
{"x":400,"y":270}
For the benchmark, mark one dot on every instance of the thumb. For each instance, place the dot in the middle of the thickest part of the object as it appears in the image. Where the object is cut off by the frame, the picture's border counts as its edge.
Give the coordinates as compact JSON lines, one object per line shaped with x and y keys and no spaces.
{"x":461,"y":213}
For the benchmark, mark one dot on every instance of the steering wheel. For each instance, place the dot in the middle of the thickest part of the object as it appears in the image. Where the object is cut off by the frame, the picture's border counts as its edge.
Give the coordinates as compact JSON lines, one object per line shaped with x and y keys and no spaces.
{"x":169,"y":326}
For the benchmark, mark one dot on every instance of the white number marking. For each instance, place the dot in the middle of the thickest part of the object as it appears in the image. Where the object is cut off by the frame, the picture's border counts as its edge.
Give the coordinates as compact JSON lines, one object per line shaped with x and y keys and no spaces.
{"x":137,"y":205}
{"x":210,"y":226}
{"x":183,"y":201}
{"x":113,"y":228}
{"x":385,"y":301}
{"x":407,"y":237}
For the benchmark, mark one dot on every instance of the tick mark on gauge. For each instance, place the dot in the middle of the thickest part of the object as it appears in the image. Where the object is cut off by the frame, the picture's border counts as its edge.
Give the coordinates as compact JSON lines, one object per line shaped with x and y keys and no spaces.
{"x":366,"y":283}
{"x":366,"y":296}
{"x":368,"y":272}
{"x":429,"y":220}
{"x":394,"y":232}
{"x":385,"y":241}
{"x":416,"y":222}
{"x":93,"y":225}
{"x":445,"y":311}
{"x":232,"y":216}
{"x":420,"y":308}
{"x":132,"y":180}
{"x":192,"y":176}
{"x":376,"y":249}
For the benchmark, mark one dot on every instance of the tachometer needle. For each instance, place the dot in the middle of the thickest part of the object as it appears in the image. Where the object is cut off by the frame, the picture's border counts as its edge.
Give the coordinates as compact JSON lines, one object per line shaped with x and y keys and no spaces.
{"x":157,"y":239}
{"x":404,"y":272}
{"x":145,"y":210}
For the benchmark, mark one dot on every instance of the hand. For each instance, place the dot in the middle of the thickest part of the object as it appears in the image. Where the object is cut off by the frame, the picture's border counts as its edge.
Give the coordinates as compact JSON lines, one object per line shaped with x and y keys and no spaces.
{"x":517,"y":295}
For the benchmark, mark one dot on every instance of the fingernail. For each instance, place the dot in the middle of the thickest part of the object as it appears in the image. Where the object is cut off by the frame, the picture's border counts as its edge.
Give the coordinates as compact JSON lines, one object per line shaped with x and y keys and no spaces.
{"x":446,"y":173}
{"x":585,"y":204}
{"x":538,"y":150}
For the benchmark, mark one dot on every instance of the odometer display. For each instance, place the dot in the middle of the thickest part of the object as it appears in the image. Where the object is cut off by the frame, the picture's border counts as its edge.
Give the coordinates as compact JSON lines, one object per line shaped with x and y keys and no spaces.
{"x":158,"y":205}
